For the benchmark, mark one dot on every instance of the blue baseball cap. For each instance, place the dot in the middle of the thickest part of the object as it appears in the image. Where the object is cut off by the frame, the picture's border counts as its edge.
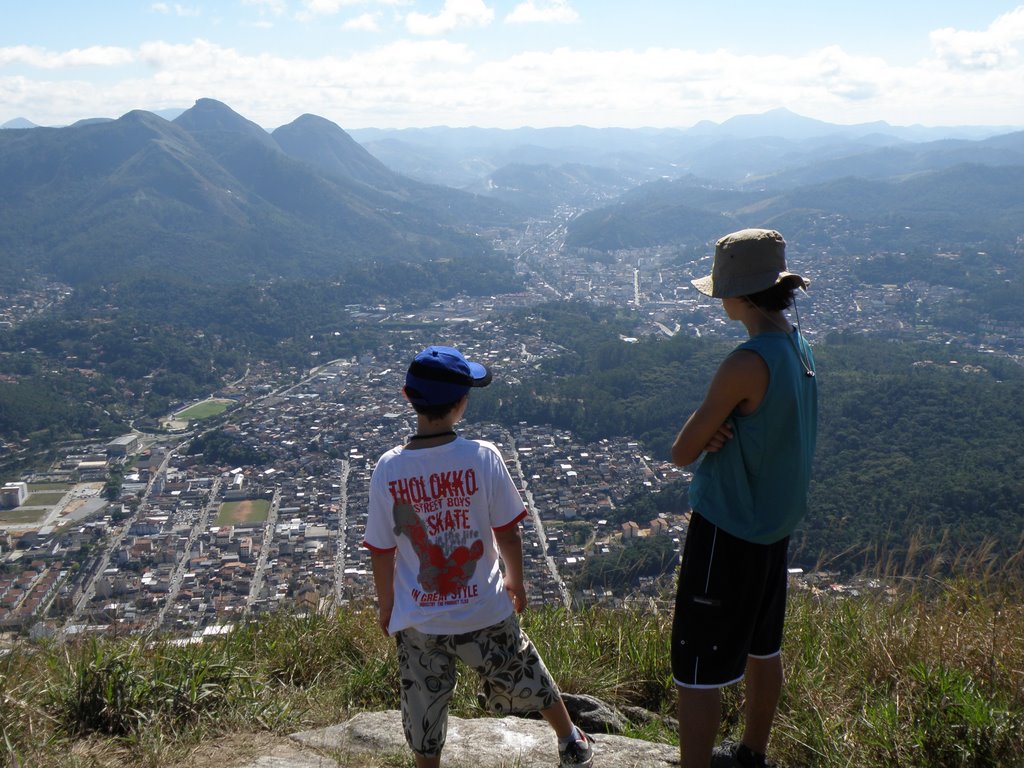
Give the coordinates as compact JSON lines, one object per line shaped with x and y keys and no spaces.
{"x":441,"y":375}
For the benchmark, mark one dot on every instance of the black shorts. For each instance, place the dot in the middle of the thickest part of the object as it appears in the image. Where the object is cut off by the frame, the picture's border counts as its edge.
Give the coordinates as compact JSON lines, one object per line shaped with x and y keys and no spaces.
{"x":731,"y":604}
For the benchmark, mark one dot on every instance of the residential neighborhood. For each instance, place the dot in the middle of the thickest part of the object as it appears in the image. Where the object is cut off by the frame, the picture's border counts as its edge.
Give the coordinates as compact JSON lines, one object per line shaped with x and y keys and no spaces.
{"x":189,"y":544}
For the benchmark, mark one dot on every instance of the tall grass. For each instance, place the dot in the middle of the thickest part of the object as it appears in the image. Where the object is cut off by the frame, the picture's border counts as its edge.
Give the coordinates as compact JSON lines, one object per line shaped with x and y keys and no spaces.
{"x":929,"y":672}
{"x":617,"y":655}
{"x":930,"y":676}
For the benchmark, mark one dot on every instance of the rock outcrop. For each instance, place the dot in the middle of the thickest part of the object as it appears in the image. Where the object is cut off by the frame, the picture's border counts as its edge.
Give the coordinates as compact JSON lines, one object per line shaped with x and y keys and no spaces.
{"x":486,"y":742}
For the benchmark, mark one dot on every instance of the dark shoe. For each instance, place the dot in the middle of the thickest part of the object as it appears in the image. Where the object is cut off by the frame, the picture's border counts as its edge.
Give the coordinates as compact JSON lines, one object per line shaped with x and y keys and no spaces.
{"x":578,"y":753}
{"x":732,"y":754}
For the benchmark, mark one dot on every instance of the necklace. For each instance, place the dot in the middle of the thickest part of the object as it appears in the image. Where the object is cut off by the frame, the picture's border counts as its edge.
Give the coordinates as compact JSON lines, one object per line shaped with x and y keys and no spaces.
{"x":447,"y":432}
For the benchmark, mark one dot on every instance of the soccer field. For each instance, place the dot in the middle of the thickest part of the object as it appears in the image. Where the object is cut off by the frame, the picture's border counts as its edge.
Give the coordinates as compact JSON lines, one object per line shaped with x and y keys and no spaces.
{"x":242,"y":512}
{"x":204,"y":410}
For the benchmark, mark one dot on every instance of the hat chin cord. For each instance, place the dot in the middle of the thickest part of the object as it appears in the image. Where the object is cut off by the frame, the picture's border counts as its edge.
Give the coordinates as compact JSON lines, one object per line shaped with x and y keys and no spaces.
{"x":805,"y":361}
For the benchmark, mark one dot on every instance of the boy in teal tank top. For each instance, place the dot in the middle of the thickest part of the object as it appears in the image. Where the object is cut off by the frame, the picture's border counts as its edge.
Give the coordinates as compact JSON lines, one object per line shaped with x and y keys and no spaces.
{"x":756,"y":432}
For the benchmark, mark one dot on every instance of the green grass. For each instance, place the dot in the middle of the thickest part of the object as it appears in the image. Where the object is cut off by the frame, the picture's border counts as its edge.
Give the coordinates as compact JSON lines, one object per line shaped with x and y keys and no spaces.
{"x":43,"y":499}
{"x":204,"y":410}
{"x":62,"y":487}
{"x":21,"y":516}
{"x":929,"y":674}
{"x":230,"y":512}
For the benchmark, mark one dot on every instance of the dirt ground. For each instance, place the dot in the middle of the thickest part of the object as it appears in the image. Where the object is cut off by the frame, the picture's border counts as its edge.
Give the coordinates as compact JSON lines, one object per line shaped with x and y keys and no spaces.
{"x":242,"y":512}
{"x":243,"y":750}
{"x":233,"y":751}
{"x":238,"y":751}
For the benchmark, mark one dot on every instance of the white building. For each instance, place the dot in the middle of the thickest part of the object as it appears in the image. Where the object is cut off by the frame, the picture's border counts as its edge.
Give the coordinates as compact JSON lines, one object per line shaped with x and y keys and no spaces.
{"x":13,"y":495}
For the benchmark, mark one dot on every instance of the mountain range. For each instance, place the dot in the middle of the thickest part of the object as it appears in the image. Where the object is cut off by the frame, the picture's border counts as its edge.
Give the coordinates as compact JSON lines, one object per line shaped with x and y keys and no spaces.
{"x":210,"y":195}
{"x":960,"y":206}
{"x":214,"y":196}
{"x":742,"y":149}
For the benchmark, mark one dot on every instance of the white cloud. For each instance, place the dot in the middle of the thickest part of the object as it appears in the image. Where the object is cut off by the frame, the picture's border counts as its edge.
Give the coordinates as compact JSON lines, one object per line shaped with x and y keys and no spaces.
{"x":455,"y":14}
{"x":365,"y":22}
{"x":95,"y":56}
{"x":314,"y":8}
{"x":311,"y":9}
{"x":994,"y":48}
{"x":558,"y":11}
{"x":274,"y":7}
{"x":176,"y":9}
{"x":423,"y":81}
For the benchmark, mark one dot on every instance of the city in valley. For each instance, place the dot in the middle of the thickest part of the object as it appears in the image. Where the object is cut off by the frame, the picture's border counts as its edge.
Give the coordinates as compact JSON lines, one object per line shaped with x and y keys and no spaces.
{"x":190,"y":547}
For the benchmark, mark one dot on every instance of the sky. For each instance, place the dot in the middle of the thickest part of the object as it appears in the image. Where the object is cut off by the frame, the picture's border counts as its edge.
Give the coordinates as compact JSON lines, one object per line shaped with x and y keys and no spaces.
{"x":514,"y":63}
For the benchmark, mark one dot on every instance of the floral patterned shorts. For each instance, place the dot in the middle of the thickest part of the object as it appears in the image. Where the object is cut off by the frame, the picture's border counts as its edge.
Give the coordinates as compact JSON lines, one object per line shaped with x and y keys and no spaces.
{"x":512,"y":674}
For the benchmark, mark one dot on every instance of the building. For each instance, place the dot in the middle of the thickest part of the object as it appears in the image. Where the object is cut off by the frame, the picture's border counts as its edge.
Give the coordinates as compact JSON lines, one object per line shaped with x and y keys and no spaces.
{"x":659,"y":527}
{"x":122,"y":446}
{"x":13,"y":495}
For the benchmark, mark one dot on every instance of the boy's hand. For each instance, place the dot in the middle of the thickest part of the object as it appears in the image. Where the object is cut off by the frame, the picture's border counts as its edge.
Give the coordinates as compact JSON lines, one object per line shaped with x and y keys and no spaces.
{"x":384,"y":618}
{"x":719,"y":439}
{"x":517,"y":592}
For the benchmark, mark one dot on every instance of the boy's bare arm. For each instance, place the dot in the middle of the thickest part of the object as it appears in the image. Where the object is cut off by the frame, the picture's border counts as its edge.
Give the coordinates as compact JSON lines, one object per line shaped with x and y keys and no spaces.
{"x":741,"y":380}
{"x":510,"y":547}
{"x":383,"y":565}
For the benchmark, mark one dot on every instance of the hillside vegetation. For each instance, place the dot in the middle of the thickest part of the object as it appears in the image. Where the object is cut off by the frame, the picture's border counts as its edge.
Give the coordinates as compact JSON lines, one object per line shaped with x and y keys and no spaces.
{"x":926,"y":673}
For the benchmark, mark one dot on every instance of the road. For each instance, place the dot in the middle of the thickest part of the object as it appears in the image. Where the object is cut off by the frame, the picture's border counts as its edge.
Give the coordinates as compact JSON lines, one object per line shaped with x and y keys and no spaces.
{"x":201,"y":524}
{"x":261,"y":560}
{"x":339,"y":543}
{"x":537,"y":523}
{"x":88,"y":590}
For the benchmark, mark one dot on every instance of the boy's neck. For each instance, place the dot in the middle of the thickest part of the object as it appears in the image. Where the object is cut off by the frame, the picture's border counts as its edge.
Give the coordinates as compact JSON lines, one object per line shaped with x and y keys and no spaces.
{"x":433,"y":432}
{"x":759,"y":321}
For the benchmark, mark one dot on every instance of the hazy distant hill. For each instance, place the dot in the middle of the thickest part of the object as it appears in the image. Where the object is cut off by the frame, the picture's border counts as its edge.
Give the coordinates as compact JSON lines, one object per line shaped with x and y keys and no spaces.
{"x":538,"y":189}
{"x":740,"y":148}
{"x":786,"y":123}
{"x":963,"y":204}
{"x":213,"y":196}
{"x":894,"y":161}
{"x":462,"y":157}
{"x":19,"y":122}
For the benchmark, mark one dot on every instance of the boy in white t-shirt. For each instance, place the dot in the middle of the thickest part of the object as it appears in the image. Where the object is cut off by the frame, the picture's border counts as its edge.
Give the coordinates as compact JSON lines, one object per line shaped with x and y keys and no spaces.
{"x":443,"y":510}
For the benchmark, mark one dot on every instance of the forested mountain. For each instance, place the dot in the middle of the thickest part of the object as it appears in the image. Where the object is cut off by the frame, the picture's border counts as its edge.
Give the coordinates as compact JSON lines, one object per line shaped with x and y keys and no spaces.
{"x":213,"y":196}
{"x":959,"y":206}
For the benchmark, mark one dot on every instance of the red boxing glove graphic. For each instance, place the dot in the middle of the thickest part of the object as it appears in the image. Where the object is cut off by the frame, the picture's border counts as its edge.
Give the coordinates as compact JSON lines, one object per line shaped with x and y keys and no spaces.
{"x":439,"y":573}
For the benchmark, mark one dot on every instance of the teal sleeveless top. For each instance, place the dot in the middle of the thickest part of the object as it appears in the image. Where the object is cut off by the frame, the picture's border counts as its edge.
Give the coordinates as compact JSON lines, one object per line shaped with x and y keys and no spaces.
{"x":755,"y":487}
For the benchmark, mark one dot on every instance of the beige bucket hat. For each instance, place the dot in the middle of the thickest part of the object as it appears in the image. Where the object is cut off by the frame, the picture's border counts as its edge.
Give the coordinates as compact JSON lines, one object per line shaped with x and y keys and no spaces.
{"x":746,"y":262}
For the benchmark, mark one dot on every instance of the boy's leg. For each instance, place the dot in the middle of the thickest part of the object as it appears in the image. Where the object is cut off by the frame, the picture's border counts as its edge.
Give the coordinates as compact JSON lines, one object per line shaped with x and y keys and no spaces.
{"x":513,"y":674}
{"x":720,"y":584}
{"x":515,"y":679}
{"x":426,"y":664}
{"x":699,"y":711}
{"x":764,"y":673}
{"x":764,"y":686}
{"x":557,"y":716}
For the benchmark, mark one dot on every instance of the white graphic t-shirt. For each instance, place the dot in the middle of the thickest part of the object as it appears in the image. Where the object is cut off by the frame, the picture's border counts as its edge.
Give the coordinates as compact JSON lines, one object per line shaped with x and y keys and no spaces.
{"x":438,"y":506}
